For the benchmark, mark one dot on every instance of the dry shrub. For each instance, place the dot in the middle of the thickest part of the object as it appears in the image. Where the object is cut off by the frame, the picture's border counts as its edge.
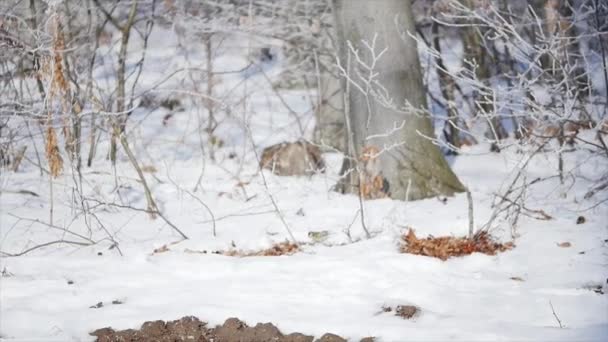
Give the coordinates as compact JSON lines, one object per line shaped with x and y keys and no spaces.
{"x":446,"y":247}
{"x":282,"y":248}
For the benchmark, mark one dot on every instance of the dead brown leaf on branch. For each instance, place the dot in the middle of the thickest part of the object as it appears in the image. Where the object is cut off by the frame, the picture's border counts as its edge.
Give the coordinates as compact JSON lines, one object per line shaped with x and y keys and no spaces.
{"x":446,"y":247}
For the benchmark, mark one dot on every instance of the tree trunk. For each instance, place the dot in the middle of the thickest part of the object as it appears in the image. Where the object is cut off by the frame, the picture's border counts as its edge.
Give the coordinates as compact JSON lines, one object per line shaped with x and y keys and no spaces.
{"x":388,"y":138}
{"x":329,"y":114}
{"x":566,"y":60}
{"x":474,"y":51}
{"x":446,"y":85}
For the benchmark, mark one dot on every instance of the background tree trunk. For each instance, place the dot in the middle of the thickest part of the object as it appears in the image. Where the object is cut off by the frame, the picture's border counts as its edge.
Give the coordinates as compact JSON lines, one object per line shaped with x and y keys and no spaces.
{"x":474,"y":51}
{"x":411,"y":166}
{"x":329,"y":129}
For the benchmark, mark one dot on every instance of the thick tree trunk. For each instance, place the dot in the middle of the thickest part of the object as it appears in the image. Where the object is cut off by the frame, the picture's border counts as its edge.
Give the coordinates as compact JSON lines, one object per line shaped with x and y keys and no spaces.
{"x":388,"y":139}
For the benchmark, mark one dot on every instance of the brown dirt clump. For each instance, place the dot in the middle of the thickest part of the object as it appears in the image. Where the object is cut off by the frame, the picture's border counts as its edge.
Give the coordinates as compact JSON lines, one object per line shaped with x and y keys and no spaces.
{"x":187,"y":328}
{"x":446,"y":247}
{"x":192,"y":329}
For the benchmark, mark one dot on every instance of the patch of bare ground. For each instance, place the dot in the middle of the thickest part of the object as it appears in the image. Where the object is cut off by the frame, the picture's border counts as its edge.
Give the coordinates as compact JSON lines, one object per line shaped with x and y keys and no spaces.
{"x":192,"y":329}
{"x":446,"y":247}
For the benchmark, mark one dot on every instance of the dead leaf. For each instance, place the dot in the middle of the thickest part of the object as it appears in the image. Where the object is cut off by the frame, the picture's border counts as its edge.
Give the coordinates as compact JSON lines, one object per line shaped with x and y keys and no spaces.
{"x":192,"y":251}
{"x":149,"y":169}
{"x":96,"y":306}
{"x":564,"y":244}
{"x":161,"y":249}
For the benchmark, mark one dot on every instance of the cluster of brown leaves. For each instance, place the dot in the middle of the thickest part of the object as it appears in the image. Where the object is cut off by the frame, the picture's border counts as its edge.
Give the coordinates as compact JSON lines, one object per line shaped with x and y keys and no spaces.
{"x":54,"y":70}
{"x":447,"y":246}
{"x":52,"y":153}
{"x":283,"y":248}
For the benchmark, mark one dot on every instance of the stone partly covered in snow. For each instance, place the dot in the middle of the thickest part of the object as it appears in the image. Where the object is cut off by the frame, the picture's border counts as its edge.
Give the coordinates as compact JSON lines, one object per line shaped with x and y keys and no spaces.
{"x":292,"y":159}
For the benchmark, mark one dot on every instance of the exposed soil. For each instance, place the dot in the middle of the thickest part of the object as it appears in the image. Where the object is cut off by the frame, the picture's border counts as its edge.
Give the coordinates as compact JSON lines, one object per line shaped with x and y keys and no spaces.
{"x":192,"y":329}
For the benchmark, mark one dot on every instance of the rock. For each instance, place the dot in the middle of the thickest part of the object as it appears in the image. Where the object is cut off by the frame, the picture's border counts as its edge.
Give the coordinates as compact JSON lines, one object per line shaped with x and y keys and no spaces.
{"x":331,"y":338}
{"x":406,"y":311}
{"x":292,"y":159}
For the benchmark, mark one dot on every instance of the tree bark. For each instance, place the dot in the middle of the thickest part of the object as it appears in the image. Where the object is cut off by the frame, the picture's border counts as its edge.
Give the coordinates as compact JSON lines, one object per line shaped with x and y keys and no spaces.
{"x":329,"y":114}
{"x":566,"y":60}
{"x":412,"y":167}
{"x":474,"y":51}
{"x":446,"y":85}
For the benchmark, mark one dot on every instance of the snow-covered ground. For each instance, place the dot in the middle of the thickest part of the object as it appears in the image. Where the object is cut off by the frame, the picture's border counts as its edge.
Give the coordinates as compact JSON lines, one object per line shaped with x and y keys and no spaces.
{"x":339,"y":285}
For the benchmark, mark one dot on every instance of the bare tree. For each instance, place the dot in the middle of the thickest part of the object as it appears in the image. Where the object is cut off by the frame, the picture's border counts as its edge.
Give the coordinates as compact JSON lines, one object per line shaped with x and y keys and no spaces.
{"x":386,"y":103}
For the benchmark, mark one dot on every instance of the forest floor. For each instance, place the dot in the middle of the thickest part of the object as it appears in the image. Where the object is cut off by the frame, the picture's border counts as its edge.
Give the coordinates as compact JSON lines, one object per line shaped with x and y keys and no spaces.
{"x":114,"y":266}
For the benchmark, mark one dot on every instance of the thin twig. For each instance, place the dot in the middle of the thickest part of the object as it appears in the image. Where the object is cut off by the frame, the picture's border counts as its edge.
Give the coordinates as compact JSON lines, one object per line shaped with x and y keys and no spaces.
{"x":555,"y":315}
{"x":154,"y":211}
{"x":206,"y":207}
{"x":274,"y":203}
{"x":45,"y":245}
{"x":471,"y":222}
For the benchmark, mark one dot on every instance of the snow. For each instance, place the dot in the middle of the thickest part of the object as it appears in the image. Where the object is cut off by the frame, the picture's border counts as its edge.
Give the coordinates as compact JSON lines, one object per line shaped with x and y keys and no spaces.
{"x":337,"y":286}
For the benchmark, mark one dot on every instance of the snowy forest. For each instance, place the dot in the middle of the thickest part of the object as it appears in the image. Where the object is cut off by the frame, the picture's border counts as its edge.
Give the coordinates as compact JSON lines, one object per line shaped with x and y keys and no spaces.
{"x":303,"y":170}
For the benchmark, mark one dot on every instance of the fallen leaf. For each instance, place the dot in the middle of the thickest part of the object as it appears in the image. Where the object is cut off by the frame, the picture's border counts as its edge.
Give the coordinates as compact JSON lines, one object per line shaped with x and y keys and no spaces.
{"x":97,"y":306}
{"x":149,"y":169}
{"x":564,"y":244}
{"x":319,"y":236}
{"x":192,"y":251}
{"x":161,"y":249}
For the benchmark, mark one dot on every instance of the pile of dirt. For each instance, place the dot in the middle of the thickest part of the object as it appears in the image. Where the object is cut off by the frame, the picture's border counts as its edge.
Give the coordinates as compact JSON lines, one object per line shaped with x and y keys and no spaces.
{"x":446,"y":247}
{"x":192,"y":329}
